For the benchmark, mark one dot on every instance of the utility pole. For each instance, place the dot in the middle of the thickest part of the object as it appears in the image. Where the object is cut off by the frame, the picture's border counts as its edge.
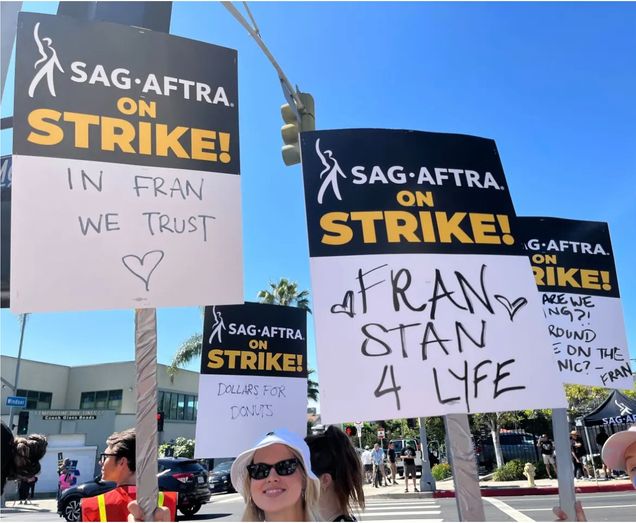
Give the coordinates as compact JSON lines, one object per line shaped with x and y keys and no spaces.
{"x":23,"y":319}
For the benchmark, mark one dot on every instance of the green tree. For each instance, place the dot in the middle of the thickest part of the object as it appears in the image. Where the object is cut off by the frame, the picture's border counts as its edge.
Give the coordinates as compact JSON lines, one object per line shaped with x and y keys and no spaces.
{"x":285,"y":292}
{"x":312,"y":386}
{"x":494,"y":421}
{"x":181,"y":448}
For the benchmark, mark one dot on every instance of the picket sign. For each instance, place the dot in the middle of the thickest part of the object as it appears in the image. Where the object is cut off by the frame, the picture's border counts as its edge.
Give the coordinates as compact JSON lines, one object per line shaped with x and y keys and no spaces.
{"x":421,"y":284}
{"x":130,"y":213}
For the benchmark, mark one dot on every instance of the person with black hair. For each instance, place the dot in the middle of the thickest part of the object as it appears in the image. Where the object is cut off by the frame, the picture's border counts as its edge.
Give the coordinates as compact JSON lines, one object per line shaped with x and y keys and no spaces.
{"x":21,"y":455}
{"x":335,"y":462}
{"x":119,"y":465}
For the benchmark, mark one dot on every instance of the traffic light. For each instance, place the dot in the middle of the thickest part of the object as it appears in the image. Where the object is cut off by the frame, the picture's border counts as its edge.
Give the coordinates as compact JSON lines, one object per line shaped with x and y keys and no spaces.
{"x":411,"y":423}
{"x":23,"y":422}
{"x":351,"y":431}
{"x":295,"y":123}
{"x":159,"y":421}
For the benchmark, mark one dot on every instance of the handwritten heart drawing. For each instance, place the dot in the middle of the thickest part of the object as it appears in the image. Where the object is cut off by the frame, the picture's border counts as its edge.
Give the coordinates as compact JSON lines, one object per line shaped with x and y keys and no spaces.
{"x":345,"y":307}
{"x":143,"y":267}
{"x":513,"y":307}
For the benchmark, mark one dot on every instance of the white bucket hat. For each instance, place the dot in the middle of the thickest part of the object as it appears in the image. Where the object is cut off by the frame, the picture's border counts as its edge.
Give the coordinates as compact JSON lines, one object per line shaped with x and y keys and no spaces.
{"x":614,"y":449}
{"x":278,"y":436}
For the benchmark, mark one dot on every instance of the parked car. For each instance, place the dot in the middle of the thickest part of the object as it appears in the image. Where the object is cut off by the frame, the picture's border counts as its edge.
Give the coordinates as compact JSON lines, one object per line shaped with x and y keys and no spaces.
{"x":220,"y":480}
{"x":185,"y":476}
{"x":68,"y":505}
{"x":514,"y":445}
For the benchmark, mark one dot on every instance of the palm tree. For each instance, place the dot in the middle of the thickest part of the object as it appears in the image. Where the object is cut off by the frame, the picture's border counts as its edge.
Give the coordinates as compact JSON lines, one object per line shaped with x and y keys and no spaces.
{"x":312,"y":386}
{"x":284,"y":292}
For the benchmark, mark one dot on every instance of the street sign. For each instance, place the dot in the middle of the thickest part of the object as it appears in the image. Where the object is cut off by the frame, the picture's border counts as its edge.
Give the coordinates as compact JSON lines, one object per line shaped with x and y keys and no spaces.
{"x":380,"y":434}
{"x":16,"y":401}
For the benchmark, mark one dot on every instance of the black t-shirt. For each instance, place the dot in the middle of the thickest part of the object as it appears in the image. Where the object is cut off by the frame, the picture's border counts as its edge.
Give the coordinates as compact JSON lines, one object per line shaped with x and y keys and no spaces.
{"x":346,"y":517}
{"x":391,"y":455}
{"x":547,"y":447}
{"x":601,"y":439}
{"x":578,"y":447}
{"x":408,"y":454}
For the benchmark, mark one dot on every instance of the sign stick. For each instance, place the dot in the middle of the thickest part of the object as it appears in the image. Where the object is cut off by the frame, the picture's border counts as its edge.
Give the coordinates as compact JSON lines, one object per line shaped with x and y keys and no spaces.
{"x":146,"y":420}
{"x":469,"y":504}
{"x":565,"y":472}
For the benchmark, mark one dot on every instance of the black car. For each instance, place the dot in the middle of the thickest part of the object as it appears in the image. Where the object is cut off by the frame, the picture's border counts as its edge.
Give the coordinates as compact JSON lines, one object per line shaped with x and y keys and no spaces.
{"x":185,"y":476}
{"x":68,"y":504}
{"x":220,"y":480}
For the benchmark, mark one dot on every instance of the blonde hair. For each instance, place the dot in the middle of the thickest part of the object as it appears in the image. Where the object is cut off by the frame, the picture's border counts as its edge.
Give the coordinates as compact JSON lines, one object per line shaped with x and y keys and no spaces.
{"x":309,"y":500}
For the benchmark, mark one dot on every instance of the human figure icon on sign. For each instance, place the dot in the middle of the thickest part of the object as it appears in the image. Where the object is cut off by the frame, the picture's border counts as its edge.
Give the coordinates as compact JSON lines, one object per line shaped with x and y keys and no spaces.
{"x":218,"y":327}
{"x":329,"y":174}
{"x":50,"y":63}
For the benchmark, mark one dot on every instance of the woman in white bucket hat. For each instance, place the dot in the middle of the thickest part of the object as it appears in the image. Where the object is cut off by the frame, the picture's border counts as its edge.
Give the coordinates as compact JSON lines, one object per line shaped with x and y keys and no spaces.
{"x":619,"y":452}
{"x":275,"y":479}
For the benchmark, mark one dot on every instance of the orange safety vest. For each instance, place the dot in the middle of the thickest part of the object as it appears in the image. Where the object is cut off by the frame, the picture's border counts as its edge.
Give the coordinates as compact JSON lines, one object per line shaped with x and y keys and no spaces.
{"x":113,"y":505}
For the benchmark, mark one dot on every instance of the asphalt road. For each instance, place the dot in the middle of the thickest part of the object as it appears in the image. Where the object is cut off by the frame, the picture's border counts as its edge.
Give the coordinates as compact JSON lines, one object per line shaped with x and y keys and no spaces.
{"x":618,"y":506}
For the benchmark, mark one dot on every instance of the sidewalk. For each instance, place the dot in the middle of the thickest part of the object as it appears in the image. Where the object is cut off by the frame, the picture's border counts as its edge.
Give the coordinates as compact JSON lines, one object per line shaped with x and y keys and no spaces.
{"x":395,"y":491}
{"x":37,"y":505}
{"x":446,"y":489}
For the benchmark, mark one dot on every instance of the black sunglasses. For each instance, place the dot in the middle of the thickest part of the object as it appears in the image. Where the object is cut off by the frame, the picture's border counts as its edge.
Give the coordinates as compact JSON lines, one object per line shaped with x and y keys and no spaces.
{"x":283,"y":468}
{"x":104,"y":456}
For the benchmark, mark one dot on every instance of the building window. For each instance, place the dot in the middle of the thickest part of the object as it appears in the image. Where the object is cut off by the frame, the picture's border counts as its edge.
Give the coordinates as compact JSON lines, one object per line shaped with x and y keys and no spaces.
{"x":36,"y":399}
{"x":177,"y":406}
{"x":101,"y":400}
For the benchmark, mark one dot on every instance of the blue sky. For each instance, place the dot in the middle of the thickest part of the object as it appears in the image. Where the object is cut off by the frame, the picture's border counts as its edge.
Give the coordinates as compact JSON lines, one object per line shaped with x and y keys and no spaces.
{"x":552,"y":83}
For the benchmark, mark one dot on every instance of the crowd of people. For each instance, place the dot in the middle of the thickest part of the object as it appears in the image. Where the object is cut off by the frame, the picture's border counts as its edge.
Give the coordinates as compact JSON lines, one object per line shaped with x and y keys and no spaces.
{"x":582,"y":464}
{"x":380,"y":467}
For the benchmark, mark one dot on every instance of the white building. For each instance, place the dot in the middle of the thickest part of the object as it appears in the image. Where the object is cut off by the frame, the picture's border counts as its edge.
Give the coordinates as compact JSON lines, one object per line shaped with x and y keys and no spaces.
{"x":92,"y":401}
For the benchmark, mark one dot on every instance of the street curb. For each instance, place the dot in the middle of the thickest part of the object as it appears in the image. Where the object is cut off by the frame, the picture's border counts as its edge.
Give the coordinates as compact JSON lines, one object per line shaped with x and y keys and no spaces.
{"x":405,"y":495}
{"x":542,"y":491}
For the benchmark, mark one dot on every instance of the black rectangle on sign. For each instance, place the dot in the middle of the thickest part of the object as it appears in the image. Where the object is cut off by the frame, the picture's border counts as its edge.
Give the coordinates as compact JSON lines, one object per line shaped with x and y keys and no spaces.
{"x":572,"y":256}
{"x":379,"y":191}
{"x":255,"y":339}
{"x":113,"y":93}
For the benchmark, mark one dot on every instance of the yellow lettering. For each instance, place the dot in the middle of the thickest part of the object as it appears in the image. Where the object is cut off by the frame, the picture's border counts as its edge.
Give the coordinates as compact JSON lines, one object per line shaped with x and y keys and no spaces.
{"x":400,"y":224}
{"x":367,"y":220}
{"x":248,"y":360}
{"x":116,"y":131}
{"x":590,"y":279}
{"x":289,"y":362}
{"x":37,"y":120}
{"x":215,"y":359}
{"x":82,"y":123}
{"x":483,"y":226}
{"x":202,"y":142}
{"x":170,"y":140}
{"x":451,"y":227}
{"x":332,"y":223}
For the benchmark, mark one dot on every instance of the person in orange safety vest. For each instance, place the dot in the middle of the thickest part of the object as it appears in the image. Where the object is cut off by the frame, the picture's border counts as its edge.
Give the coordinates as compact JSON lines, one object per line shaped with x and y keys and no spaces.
{"x":118,"y":465}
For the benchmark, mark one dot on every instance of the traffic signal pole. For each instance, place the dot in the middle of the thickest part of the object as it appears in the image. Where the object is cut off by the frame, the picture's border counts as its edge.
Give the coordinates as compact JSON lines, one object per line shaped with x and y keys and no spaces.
{"x":299,"y":112}
{"x":427,"y":481}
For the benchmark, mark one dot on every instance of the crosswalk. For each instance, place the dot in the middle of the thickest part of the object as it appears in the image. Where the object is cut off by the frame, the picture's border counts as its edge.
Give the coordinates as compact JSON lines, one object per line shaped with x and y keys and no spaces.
{"x":401,"y":508}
